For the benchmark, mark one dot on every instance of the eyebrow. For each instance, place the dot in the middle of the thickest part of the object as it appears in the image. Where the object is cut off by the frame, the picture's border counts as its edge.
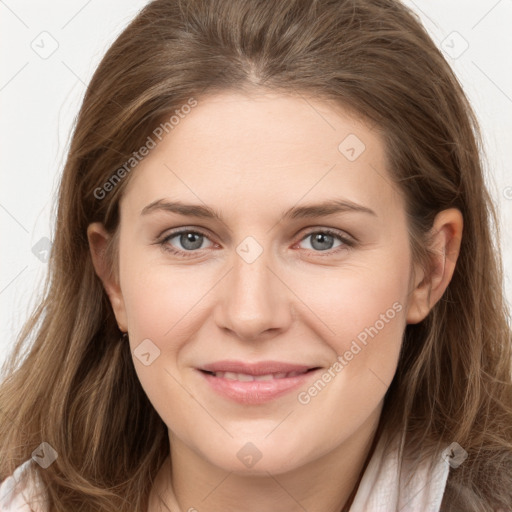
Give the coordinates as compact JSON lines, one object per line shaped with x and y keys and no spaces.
{"x":296,"y":212}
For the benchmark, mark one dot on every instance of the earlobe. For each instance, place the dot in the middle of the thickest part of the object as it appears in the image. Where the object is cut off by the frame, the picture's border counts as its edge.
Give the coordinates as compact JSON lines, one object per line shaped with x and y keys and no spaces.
{"x":445,"y":248}
{"x":98,"y":241}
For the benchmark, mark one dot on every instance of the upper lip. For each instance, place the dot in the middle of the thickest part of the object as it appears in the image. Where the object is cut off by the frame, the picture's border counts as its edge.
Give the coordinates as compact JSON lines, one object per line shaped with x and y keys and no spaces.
{"x":259,"y":368}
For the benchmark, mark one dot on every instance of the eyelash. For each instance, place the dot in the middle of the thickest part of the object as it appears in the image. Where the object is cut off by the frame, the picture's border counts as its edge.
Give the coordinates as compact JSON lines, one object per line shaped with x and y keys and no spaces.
{"x":348,"y":243}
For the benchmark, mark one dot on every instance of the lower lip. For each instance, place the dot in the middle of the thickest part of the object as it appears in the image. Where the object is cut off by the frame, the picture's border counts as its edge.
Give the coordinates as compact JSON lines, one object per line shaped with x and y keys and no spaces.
{"x":255,"y":392}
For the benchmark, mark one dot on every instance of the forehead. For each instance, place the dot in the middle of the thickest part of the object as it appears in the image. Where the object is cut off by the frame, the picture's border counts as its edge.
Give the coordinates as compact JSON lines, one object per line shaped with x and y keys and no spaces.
{"x":251,"y":151}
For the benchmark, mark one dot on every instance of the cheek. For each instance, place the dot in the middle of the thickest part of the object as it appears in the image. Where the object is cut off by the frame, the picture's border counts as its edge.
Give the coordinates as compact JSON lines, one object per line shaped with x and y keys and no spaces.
{"x":354,"y":299}
{"x":364,"y":312}
{"x":360,"y":311}
{"x":370,"y":310}
{"x":161,"y":300}
{"x":161,"y":303}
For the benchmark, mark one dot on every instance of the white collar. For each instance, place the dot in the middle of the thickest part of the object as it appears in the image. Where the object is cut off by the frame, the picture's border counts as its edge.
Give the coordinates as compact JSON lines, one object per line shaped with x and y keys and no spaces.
{"x":16,"y":493}
{"x":380,"y":489}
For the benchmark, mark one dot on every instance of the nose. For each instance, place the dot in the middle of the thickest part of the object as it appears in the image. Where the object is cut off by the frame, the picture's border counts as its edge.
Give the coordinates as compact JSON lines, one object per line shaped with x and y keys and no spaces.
{"x":255,"y":302}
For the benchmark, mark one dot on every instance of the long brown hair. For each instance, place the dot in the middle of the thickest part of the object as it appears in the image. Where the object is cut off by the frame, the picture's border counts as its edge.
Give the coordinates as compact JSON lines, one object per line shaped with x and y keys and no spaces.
{"x":70,"y":380}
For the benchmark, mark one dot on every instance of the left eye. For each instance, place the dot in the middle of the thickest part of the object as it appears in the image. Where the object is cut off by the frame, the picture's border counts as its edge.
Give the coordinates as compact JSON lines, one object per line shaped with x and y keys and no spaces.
{"x":323,"y":240}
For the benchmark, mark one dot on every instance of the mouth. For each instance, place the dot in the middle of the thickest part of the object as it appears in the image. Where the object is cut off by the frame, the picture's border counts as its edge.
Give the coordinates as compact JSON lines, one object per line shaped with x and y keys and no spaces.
{"x":256,"y":383}
{"x":246,"y":377}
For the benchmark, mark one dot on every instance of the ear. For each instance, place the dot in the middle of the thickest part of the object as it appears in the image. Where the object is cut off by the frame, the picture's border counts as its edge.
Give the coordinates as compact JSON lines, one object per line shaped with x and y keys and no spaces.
{"x":446,"y":235}
{"x":98,"y":240}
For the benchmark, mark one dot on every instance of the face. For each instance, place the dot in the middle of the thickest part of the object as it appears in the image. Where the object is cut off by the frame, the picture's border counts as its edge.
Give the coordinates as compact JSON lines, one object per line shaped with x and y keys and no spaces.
{"x":253,"y":271}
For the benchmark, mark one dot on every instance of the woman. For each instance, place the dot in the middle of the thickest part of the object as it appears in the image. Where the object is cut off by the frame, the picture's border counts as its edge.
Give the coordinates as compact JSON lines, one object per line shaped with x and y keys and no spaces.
{"x":199,"y":347}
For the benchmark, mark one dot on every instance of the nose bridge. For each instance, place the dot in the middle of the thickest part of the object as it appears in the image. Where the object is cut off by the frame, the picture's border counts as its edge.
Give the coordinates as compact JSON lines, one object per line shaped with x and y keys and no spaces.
{"x":254,"y":300}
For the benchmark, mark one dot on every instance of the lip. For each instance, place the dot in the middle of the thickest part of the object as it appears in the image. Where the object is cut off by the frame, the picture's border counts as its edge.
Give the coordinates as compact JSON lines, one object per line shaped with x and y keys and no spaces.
{"x":256,"y":391}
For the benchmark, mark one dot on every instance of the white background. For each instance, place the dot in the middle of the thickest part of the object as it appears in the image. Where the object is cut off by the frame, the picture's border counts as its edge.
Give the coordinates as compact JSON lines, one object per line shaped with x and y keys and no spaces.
{"x":40,"y":96}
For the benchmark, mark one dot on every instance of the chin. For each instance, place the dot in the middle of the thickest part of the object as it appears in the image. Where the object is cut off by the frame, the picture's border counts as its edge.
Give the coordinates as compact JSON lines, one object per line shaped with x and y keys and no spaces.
{"x":247,"y":459}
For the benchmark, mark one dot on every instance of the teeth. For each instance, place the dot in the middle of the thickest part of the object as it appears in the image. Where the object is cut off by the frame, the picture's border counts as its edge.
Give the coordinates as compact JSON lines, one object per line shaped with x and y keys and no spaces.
{"x":264,"y":377}
{"x":243,"y":377}
{"x":227,"y":375}
{"x":294,"y":374}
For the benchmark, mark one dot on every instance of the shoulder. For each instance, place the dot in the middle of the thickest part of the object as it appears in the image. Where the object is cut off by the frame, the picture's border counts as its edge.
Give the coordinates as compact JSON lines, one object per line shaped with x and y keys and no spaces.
{"x":23,"y":490}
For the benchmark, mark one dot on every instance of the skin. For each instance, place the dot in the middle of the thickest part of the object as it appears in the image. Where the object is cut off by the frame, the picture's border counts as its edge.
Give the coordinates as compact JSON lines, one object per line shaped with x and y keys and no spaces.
{"x":250,"y":157}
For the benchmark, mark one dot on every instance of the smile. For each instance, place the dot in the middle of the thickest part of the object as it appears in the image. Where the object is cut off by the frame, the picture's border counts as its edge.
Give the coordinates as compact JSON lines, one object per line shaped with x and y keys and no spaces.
{"x":256,"y":384}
